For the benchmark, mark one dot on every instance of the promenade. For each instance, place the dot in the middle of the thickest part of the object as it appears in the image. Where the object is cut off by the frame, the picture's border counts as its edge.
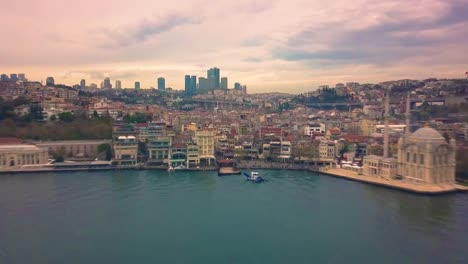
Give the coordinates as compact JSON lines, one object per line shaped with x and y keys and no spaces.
{"x":339,"y":173}
{"x":396,"y":184}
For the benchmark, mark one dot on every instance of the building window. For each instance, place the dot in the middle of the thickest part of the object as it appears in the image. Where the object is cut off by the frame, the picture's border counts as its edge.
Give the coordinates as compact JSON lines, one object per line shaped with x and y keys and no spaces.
{"x":421,"y":157}
{"x":414,"y":158}
{"x":407,"y":157}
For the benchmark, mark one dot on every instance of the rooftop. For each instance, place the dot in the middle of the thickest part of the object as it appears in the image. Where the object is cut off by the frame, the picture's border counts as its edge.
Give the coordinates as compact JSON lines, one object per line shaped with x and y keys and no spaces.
{"x":427,"y":133}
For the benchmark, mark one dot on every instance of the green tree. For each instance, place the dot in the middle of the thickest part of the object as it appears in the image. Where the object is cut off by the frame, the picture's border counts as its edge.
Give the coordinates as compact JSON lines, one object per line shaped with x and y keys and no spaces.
{"x":66,"y":117}
{"x":53,"y":118}
{"x":105,"y":150}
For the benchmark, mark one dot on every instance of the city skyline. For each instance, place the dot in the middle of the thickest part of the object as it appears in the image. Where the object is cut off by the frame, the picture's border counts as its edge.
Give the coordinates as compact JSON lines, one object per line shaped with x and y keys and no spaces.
{"x":310,"y":45}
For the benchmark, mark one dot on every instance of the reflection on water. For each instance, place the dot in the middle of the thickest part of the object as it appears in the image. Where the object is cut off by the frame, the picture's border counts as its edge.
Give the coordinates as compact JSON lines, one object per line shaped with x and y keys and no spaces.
{"x":187,"y":217}
{"x":428,"y":213}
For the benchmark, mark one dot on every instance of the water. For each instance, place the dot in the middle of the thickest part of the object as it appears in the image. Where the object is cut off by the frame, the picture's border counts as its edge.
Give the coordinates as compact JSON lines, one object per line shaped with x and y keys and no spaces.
{"x":198,"y":217}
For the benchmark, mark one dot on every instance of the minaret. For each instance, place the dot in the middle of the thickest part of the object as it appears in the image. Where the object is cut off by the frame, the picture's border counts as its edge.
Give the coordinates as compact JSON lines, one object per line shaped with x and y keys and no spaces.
{"x":386,"y":116}
{"x":407,"y":117}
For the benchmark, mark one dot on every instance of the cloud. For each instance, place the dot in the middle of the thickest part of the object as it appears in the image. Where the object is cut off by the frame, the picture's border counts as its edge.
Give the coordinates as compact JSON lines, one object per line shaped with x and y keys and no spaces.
{"x":392,"y":36}
{"x":253,"y":59}
{"x":256,"y":6}
{"x":144,"y":30}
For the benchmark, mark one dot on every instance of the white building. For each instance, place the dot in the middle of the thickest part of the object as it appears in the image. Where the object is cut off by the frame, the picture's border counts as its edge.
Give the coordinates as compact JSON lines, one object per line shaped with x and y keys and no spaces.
{"x":17,"y":156}
{"x":426,"y":157}
{"x":125,"y":150}
{"x":311,"y":129}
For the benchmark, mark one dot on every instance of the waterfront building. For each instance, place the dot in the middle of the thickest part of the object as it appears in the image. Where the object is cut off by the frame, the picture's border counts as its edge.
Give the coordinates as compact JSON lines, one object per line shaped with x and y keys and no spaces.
{"x":161,"y":84}
{"x":125,"y":151}
{"x":193,"y":157}
{"x":118,"y":84}
{"x":224,"y":83}
{"x":205,"y":141}
{"x":178,"y":155}
{"x":73,"y":148}
{"x":159,"y":151}
{"x":50,"y":81}
{"x":384,"y":167}
{"x":425,"y":156}
{"x":137,"y":85}
{"x":328,"y":150}
{"x":17,"y":156}
{"x":279,"y":150}
{"x":213,"y":78}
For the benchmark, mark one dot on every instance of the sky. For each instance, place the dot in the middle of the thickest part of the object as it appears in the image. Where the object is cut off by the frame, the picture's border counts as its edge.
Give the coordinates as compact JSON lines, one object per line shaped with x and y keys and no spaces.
{"x":269,"y":45}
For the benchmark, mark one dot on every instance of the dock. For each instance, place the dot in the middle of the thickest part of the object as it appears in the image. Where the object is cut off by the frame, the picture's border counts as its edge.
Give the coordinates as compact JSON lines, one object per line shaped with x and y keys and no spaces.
{"x":397,"y":184}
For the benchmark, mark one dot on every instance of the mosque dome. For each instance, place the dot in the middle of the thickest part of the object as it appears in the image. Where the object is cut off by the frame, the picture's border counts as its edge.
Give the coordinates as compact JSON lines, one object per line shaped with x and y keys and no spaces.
{"x":427,"y":133}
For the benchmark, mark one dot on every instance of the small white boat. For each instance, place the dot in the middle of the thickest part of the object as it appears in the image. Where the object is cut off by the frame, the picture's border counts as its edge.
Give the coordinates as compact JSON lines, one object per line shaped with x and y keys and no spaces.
{"x":170,"y":169}
{"x":180,"y":167}
{"x":253,"y":176}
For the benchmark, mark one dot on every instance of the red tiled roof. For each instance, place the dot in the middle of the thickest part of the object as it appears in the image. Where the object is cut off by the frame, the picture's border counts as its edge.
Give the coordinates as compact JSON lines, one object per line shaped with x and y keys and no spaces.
{"x":10,"y":141}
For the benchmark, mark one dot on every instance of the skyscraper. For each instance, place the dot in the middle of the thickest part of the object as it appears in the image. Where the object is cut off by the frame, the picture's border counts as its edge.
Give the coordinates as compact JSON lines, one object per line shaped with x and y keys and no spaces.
{"x":202,"y":85}
{"x":193,"y":85}
{"x":161,"y":84}
{"x":118,"y":84}
{"x":137,"y":85}
{"x":224,"y":83}
{"x":4,"y":77}
{"x":22,"y":77}
{"x":237,"y":86}
{"x":213,"y":78}
{"x":82,"y":84}
{"x":107,"y":84}
{"x":50,"y":81}
{"x":13,"y":77}
{"x":187,"y":85}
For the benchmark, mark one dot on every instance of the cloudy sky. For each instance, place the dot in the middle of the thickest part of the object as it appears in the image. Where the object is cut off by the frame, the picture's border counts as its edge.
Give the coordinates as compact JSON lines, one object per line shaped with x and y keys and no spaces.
{"x":269,"y":45}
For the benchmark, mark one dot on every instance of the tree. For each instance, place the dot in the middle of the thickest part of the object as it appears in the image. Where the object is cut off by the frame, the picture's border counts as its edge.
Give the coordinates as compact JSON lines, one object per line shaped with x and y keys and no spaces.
{"x":53,"y":118}
{"x":59,"y":156}
{"x":20,"y":101}
{"x":105,"y":150}
{"x":66,"y":117}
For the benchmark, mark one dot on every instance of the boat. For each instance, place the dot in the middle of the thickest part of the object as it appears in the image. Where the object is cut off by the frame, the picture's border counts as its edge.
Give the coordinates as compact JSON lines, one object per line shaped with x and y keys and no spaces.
{"x":180,"y":167}
{"x":253,"y":176}
{"x":170,"y":169}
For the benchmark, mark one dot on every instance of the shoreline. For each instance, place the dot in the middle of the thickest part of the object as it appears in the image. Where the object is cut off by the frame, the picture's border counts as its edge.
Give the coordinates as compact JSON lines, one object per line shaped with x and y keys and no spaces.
{"x":337,"y":173}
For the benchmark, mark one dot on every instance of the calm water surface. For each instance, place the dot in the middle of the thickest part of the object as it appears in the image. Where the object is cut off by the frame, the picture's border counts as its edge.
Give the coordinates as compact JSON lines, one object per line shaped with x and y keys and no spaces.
{"x":198,"y":217}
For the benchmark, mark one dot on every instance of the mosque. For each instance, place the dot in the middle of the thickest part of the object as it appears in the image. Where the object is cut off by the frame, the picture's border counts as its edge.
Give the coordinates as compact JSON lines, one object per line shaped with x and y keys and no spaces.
{"x":424,"y":157}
